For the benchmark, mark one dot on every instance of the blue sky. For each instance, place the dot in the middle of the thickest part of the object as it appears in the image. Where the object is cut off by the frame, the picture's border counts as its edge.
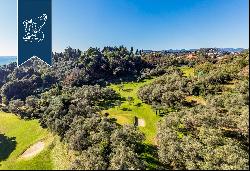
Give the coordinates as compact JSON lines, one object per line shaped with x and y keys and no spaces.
{"x":143,"y":24}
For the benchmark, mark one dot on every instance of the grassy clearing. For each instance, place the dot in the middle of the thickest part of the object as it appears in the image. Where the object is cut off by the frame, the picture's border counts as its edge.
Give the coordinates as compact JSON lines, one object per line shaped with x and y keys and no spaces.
{"x":128,"y":110}
{"x":125,"y":113}
{"x":187,"y":71}
{"x":17,"y":136}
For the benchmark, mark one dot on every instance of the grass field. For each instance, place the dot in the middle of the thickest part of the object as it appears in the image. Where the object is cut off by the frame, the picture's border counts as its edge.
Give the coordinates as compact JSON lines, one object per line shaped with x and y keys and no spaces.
{"x":187,"y":71}
{"x":18,"y":135}
{"x":128,"y":110}
{"x":125,"y":113}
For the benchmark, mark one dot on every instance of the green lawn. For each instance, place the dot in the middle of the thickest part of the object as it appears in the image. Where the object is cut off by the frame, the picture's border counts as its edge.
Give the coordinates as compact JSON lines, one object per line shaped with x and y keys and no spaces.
{"x":187,"y":71}
{"x":16,"y":136}
{"x":127,"y":111}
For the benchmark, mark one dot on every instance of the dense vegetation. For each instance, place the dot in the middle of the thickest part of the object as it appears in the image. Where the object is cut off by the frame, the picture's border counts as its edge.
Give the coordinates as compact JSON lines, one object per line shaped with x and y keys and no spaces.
{"x":212,"y":136}
{"x":69,"y":97}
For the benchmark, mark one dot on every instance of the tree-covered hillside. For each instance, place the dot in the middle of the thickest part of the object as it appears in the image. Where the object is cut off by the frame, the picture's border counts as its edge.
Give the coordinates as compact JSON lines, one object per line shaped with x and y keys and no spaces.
{"x":199,"y":104}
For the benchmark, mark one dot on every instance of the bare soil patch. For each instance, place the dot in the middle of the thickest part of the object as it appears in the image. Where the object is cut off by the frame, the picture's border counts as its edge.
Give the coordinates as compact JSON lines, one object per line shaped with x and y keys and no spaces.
{"x":141,"y":122}
{"x":33,"y":150}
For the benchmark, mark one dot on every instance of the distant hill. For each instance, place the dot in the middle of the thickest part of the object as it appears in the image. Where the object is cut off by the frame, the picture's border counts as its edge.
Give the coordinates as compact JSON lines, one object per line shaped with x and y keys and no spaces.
{"x":192,"y":50}
{"x":232,"y":49}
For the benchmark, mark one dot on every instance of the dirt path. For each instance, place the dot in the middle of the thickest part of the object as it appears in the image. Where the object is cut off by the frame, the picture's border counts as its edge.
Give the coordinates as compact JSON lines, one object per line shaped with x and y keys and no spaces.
{"x":141,"y":122}
{"x":33,"y":150}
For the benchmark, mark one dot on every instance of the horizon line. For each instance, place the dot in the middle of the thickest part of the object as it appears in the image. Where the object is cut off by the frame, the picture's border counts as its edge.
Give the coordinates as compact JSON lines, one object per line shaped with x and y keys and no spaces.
{"x":141,"y":49}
